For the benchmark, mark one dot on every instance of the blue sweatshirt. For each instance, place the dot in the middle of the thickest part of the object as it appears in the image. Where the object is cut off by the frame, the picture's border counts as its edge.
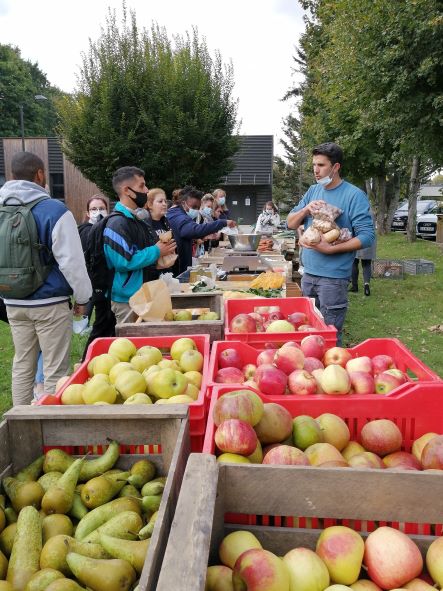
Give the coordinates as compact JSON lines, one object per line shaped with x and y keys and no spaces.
{"x":185,"y":230}
{"x":356,"y":216}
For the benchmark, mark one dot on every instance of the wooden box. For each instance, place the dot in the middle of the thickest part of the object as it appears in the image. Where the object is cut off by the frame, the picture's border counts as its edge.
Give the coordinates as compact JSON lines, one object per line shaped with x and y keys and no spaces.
{"x":357,"y":498}
{"x":160,"y":434}
{"x":214,"y":328}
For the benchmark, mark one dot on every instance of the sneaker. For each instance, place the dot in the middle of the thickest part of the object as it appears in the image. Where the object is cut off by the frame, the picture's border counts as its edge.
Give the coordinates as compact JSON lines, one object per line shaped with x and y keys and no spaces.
{"x":367,"y":290}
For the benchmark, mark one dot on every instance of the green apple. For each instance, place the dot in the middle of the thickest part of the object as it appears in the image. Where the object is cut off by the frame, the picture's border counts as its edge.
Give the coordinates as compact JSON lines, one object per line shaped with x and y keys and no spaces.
{"x":194,"y":377}
{"x":209,"y":316}
{"x":169,"y":364}
{"x":183,"y":315}
{"x":138,"y":398}
{"x":118,"y":369}
{"x":191,"y":361}
{"x":104,"y":363}
{"x":180,"y":346}
{"x":168,"y":382}
{"x":141,"y":362}
{"x":152,"y":352}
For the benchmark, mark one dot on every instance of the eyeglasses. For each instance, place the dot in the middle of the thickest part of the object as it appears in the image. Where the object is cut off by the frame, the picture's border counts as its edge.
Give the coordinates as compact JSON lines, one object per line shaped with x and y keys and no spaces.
{"x":98,"y":209}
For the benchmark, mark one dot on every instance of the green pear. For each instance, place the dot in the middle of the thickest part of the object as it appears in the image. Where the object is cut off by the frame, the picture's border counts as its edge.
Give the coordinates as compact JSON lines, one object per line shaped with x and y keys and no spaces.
{"x":64,"y":585}
{"x":141,"y":472}
{"x":49,"y":479}
{"x":5,"y":586}
{"x":54,"y":525}
{"x":99,"y":516}
{"x":101,"y":464}
{"x":31,"y":472}
{"x":7,"y":539}
{"x":23,"y":494}
{"x":78,"y":509}
{"x":133,"y":552}
{"x":59,"y":497}
{"x":25,"y":556}
{"x":124,"y":525}
{"x":57,"y":460}
{"x":151,"y":503}
{"x":130,"y":491}
{"x":53,"y":554}
{"x":153,"y":488}
{"x":42,"y":579}
{"x":3,"y":566}
{"x":10,"y":515}
{"x":102,"y":575}
{"x":146,"y":532}
{"x":100,"y":490}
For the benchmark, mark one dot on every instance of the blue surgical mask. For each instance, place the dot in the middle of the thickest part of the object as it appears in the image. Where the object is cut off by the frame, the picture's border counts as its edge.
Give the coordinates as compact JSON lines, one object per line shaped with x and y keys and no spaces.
{"x":325,"y":181}
{"x":192,"y":213}
{"x":221,"y":200}
{"x":207,"y":211}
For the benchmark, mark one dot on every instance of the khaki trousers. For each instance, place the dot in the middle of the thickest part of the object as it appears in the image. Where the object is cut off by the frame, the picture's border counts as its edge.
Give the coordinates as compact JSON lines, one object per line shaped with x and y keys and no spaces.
{"x":45,"y":328}
{"x":123,"y":312}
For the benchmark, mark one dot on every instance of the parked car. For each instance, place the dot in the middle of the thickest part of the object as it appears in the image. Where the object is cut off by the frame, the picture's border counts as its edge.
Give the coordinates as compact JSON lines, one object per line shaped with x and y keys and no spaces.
{"x":427,"y":223}
{"x":400,"y":219}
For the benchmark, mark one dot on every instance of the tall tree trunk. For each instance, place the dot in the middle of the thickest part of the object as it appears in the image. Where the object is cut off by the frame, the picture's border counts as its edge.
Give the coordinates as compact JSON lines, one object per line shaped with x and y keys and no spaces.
{"x":414,"y":185}
{"x":381,"y":204}
{"x":395,"y":200}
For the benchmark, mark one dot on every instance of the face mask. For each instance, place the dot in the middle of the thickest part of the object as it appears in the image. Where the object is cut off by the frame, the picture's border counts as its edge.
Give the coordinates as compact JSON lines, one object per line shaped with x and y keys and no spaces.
{"x":192,"y":213}
{"x":207,"y":211}
{"x":95,"y":216}
{"x":140,"y":198}
{"x":221,"y":200}
{"x":270,"y":211}
{"x":324,"y":182}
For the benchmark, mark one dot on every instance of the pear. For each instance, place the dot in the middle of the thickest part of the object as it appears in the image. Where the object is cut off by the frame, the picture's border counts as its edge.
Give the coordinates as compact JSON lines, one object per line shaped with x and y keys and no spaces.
{"x":5,"y":586}
{"x":42,"y":579}
{"x":54,"y":525}
{"x":123,"y":525}
{"x":25,"y":556}
{"x":59,"y":497}
{"x":129,"y":491}
{"x":57,"y":460}
{"x":101,"y":464}
{"x":49,"y":479}
{"x":53,"y":554}
{"x":146,"y":532}
{"x":31,"y":472}
{"x":23,"y":494}
{"x":151,"y":503}
{"x":100,"y":490}
{"x":153,"y":488}
{"x":10,"y":515}
{"x":2,"y":519}
{"x":64,"y":585}
{"x":99,"y":516}
{"x":3,"y":566}
{"x":100,"y":575}
{"x":133,"y":552}
{"x":7,"y":539}
{"x":78,"y":510}
{"x":141,"y":472}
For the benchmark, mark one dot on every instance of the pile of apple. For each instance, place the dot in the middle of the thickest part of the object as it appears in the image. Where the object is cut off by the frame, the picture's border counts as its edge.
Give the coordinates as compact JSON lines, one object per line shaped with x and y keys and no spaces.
{"x":270,"y":319}
{"x":186,"y":315}
{"x":342,"y":561}
{"x":310,"y":368}
{"x":140,"y":376}
{"x":249,"y":431}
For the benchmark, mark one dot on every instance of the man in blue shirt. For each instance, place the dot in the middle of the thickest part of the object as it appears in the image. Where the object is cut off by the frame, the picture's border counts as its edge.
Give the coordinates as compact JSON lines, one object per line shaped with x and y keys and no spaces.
{"x":328,"y":267}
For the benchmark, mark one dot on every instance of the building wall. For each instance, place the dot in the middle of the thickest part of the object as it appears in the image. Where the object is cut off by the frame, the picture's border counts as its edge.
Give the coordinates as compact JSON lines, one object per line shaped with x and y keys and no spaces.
{"x":36,"y":145}
{"x":77,"y":190}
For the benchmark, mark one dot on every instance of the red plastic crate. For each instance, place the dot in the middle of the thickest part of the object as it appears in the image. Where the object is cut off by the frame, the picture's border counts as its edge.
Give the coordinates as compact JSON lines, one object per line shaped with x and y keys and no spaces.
{"x":403,"y":358}
{"x":198,"y":410}
{"x":287,"y":306}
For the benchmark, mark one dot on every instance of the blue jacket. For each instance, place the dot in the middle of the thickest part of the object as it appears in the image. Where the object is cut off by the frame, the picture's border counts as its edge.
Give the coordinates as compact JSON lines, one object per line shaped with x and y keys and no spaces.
{"x":130,"y":250}
{"x":356,"y":217}
{"x":56,"y":229}
{"x":185,"y":230}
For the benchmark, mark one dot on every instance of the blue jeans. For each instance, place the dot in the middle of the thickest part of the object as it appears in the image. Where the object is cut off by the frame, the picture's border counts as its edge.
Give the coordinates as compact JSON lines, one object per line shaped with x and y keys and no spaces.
{"x":331,"y":298}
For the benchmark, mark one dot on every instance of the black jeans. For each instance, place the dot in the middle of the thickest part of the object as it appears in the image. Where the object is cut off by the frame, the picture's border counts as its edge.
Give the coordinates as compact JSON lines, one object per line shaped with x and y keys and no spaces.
{"x":104,"y":323}
{"x":366,"y":266}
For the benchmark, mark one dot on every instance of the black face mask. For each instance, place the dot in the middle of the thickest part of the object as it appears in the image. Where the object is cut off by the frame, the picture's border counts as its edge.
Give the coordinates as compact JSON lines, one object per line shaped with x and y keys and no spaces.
{"x":140,"y":198}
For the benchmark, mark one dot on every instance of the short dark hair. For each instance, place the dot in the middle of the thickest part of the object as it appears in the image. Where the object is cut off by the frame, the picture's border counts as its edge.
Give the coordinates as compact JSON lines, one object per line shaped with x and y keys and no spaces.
{"x":100,"y":198}
{"x":330,"y":150}
{"x":25,"y":165}
{"x":190,"y":192}
{"x":125,"y":173}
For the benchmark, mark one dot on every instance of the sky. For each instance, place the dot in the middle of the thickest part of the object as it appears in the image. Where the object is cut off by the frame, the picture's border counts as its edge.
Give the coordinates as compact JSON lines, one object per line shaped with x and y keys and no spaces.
{"x":259,"y":36}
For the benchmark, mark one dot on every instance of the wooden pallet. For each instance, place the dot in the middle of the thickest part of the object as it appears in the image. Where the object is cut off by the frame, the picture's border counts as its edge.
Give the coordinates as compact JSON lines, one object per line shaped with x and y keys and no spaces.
{"x":28,"y":430}
{"x":211,"y":490}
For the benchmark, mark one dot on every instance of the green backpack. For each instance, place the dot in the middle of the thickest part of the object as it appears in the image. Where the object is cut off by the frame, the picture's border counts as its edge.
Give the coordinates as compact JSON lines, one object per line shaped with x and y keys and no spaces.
{"x":21,"y":269}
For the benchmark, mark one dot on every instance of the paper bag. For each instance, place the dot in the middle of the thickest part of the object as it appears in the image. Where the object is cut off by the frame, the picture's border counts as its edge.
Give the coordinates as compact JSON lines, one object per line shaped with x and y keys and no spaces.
{"x":168,"y":260}
{"x":152,"y":301}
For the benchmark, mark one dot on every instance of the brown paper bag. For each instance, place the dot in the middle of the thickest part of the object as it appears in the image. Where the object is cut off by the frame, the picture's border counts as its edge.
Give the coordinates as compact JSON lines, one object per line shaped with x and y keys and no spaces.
{"x":152,"y":301}
{"x":168,"y":260}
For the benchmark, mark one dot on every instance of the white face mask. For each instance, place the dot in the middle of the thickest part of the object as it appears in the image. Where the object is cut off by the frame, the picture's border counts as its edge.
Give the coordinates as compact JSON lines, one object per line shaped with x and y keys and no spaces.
{"x":96,"y":215}
{"x":271,"y":211}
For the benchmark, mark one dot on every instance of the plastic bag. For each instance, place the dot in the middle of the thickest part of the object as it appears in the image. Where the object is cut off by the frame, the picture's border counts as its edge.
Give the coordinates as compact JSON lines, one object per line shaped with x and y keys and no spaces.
{"x":172,"y":283}
{"x":165,"y":262}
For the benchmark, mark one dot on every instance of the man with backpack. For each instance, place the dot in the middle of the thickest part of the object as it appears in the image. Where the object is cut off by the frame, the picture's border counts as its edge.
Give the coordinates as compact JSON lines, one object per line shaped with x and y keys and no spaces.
{"x":41,"y":267}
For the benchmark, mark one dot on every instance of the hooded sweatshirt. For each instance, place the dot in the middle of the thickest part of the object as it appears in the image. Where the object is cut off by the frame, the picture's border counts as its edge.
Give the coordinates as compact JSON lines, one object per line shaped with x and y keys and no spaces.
{"x":57,"y":229}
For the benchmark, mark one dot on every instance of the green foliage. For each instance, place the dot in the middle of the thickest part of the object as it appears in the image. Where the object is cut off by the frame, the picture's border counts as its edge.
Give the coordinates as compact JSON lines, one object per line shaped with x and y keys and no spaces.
{"x":20,"y":81}
{"x":145,"y":100}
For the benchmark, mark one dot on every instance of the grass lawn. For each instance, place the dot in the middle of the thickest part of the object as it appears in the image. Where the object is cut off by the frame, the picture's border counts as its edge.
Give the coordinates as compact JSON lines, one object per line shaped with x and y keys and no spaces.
{"x":404,"y":309}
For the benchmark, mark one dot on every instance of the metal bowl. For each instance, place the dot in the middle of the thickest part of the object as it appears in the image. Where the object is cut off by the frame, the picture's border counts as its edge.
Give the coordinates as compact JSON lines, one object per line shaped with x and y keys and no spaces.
{"x":244,"y":242}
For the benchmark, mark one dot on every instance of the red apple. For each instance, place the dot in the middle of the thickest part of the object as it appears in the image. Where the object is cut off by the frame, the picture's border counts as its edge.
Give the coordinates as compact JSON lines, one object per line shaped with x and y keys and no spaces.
{"x":270,"y":346}
{"x":366,"y":459}
{"x":258,"y":319}
{"x":243,"y":323}
{"x":286,"y":455}
{"x":287,"y":359}
{"x":386,"y":382}
{"x":302,"y":383}
{"x":218,"y":578}
{"x":249,"y":370}
{"x":312,"y":363}
{"x":336,"y":356}
{"x":276,"y":315}
{"x":359,"y":364}
{"x":381,"y":436}
{"x":341,"y":549}
{"x":362,"y":382}
{"x":244,"y":405}
{"x":313,"y":346}
{"x":335,"y":380}
{"x":275,"y":425}
{"x":271,"y":380}
{"x":403,"y":377}
{"x":298,"y":318}
{"x":382,"y":363}
{"x":230,"y":358}
{"x":392,"y":558}
{"x":401,"y":460}
{"x":306,"y":328}
{"x":236,"y":437}
{"x":260,"y":570}
{"x":432,"y":454}
{"x":229,"y":375}
{"x":266,"y":357}
{"x":317,"y":373}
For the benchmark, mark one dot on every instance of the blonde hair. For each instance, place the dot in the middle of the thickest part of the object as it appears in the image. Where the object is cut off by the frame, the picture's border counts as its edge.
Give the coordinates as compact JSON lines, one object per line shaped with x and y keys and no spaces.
{"x":153,"y":193}
{"x":216,"y":193}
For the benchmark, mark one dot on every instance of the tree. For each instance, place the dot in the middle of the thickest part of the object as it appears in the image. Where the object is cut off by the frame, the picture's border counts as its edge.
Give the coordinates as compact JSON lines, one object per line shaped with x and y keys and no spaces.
{"x":145,"y":100}
{"x":20,"y":81}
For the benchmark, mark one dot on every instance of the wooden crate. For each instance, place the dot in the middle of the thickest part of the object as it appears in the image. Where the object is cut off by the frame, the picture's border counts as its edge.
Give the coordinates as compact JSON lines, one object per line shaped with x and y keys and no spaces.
{"x":211,"y":490}
{"x":160,"y":434}
{"x":214,"y":328}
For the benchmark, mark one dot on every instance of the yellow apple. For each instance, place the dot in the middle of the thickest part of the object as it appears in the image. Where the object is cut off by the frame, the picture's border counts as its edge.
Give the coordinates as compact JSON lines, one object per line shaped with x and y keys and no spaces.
{"x":73,"y":394}
{"x":194,"y":377}
{"x":179,"y":346}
